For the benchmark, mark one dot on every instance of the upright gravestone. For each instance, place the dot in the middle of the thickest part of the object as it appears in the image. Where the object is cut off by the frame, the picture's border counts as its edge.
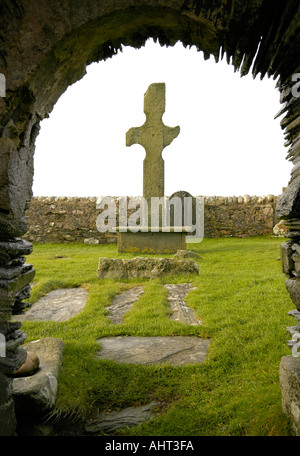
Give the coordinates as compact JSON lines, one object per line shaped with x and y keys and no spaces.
{"x":154,"y":136}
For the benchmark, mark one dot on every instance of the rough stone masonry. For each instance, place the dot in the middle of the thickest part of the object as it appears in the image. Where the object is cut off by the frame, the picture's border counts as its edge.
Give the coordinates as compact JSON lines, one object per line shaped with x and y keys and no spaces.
{"x":73,"y":219}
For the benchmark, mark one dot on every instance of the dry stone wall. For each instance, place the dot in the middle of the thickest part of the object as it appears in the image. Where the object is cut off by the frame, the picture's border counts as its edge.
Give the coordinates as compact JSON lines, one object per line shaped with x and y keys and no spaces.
{"x":239,"y":216}
{"x":73,"y":219}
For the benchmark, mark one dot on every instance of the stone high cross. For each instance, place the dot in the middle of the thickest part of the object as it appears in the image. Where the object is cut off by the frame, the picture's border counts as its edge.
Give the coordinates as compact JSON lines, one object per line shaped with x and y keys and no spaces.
{"x":154,"y":136}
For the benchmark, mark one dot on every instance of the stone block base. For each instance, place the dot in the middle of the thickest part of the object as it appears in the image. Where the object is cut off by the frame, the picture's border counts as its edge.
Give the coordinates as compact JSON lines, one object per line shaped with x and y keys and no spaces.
{"x":35,"y":395}
{"x":151,"y":242}
{"x":290,"y":389}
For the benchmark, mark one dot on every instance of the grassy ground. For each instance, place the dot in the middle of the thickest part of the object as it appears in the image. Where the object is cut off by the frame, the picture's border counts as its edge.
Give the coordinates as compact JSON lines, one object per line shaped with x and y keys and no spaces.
{"x":240,"y":298}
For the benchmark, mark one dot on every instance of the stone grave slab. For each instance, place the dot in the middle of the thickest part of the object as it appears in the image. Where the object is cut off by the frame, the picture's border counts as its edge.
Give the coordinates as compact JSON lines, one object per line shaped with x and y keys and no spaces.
{"x":110,"y":422}
{"x":180,"y":311}
{"x":58,"y":305}
{"x":35,"y":395}
{"x":122,"y":303}
{"x":174,"y":350}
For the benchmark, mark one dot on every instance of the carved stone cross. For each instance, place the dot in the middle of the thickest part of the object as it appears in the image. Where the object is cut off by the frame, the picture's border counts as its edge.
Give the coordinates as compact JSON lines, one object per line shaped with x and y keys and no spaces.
{"x":154,"y":136}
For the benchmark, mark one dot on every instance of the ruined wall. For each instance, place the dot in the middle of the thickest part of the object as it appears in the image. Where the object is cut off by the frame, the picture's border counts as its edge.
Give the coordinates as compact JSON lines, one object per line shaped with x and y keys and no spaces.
{"x":65,"y":219}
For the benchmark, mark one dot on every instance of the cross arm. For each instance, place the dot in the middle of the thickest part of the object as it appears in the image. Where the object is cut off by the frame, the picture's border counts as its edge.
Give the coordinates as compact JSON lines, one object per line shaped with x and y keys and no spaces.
{"x":170,"y":133}
{"x":133,"y":136}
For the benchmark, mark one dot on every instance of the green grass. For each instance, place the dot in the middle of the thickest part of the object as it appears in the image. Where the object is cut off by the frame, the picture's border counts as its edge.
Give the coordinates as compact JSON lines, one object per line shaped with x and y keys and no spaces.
{"x":240,"y":298}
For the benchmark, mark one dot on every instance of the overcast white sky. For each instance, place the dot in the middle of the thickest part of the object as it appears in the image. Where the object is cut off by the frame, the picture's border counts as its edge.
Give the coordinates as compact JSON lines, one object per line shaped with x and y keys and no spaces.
{"x":229,"y":143}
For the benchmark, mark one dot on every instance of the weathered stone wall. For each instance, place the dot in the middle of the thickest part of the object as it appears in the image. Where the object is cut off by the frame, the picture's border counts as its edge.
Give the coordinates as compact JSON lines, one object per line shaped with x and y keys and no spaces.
{"x":66,"y":219}
{"x":239,"y":216}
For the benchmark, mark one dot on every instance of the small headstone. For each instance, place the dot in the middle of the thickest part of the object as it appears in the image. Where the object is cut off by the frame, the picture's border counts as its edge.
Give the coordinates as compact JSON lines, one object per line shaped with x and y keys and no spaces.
{"x":191,"y":217}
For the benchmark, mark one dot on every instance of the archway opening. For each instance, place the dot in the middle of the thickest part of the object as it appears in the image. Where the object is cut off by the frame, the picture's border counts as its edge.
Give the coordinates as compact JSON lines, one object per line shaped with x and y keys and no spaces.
{"x":229,"y":143}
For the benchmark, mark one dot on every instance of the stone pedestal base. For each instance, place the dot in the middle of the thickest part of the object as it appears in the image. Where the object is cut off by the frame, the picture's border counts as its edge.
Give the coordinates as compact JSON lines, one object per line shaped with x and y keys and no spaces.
{"x":151,"y":242}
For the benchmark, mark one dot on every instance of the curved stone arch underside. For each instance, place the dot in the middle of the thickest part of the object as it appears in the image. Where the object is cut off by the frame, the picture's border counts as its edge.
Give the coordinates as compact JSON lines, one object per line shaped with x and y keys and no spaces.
{"x":46,"y":45}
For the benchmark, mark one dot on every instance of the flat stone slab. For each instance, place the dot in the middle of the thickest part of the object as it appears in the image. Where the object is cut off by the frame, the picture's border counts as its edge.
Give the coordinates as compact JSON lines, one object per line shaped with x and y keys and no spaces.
{"x":116,"y":268}
{"x":110,"y":422}
{"x":122,"y":303}
{"x":181,"y":312}
{"x":58,"y":305}
{"x":35,"y":395}
{"x":174,"y":350}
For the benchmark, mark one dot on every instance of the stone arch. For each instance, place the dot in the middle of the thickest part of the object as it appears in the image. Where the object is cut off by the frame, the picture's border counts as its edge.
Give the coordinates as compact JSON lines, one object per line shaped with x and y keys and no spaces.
{"x":45,"y":47}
